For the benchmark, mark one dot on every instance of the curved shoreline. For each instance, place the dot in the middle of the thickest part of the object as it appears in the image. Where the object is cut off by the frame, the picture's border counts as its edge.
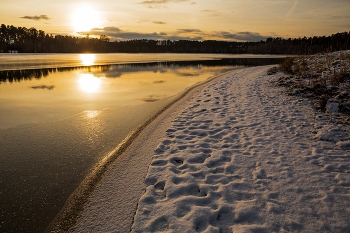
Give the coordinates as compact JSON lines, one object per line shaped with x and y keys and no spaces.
{"x":74,"y":205}
{"x":236,"y":154}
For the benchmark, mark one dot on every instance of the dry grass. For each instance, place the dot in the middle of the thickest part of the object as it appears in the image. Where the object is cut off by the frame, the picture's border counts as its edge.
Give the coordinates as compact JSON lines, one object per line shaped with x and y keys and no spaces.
{"x":322,"y":78}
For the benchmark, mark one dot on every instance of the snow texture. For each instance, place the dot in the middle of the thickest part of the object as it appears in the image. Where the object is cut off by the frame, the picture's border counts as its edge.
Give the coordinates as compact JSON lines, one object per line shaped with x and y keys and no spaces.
{"x":244,"y":157}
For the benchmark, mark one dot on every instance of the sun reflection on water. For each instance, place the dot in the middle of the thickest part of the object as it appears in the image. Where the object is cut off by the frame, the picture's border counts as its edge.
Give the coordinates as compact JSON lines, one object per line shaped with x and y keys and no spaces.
{"x":89,"y":83}
{"x":87,"y":59}
{"x":91,"y":113}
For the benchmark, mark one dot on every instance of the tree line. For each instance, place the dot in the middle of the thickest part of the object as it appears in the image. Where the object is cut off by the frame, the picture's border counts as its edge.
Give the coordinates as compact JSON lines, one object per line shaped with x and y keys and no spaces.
{"x":31,"y":40}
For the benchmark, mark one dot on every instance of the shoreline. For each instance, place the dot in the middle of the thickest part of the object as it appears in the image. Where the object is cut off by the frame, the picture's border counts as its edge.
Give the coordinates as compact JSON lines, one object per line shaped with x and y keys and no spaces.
{"x":68,"y":215}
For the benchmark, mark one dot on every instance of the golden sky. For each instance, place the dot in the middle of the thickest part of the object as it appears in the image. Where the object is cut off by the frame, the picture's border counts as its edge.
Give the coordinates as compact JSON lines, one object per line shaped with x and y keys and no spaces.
{"x":235,"y":20}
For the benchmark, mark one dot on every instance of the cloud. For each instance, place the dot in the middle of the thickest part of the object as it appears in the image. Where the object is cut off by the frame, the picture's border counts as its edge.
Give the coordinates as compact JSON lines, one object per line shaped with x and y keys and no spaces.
{"x":224,"y":35}
{"x":45,"y":17}
{"x":336,"y":17}
{"x":158,"y":22}
{"x":212,"y":12}
{"x":161,"y":1}
{"x":116,"y":34}
{"x":157,"y":3}
{"x":242,"y":36}
{"x":159,"y":82}
{"x":189,"y":30}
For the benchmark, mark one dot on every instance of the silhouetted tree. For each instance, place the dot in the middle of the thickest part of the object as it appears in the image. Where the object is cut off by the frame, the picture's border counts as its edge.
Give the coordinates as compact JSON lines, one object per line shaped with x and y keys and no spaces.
{"x":36,"y":41}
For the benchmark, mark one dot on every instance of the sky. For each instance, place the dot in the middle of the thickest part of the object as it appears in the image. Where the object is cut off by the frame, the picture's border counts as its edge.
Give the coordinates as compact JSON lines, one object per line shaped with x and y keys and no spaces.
{"x":229,"y":20}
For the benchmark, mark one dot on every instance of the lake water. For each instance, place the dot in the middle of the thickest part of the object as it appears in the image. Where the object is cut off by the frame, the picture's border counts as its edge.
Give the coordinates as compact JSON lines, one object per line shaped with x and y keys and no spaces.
{"x":62,"y":113}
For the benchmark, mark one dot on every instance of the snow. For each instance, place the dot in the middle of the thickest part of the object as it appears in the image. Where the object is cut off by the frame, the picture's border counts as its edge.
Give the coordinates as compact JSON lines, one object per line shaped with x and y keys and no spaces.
{"x":235,"y":155}
{"x":323,"y":79}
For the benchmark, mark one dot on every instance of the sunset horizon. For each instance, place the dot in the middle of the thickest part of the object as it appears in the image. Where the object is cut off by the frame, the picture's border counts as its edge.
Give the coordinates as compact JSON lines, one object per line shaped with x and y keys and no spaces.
{"x":181,"y":19}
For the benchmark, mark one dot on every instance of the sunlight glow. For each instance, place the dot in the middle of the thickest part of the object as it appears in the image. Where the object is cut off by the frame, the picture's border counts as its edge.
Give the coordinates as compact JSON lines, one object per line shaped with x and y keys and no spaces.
{"x":87,"y":59}
{"x":84,"y":18}
{"x":89,"y":83}
{"x":91,"y":113}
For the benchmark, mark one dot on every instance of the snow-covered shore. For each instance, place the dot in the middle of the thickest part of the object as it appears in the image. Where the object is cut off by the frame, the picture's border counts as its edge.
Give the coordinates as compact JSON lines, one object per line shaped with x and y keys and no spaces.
{"x":235,"y":155}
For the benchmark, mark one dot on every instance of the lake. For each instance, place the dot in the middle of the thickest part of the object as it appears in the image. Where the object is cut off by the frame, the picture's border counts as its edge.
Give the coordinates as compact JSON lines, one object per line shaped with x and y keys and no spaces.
{"x":62,"y":113}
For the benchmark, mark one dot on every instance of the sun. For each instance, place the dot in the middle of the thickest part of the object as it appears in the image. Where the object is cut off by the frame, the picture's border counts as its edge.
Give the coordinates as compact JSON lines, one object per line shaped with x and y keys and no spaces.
{"x":85,"y":17}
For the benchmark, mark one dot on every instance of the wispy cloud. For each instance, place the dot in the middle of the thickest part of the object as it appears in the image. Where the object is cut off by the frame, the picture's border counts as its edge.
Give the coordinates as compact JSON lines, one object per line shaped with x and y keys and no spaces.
{"x":335,"y":17}
{"x":158,"y":22}
{"x":189,"y":30}
{"x":292,"y":8}
{"x":40,"y":17}
{"x":157,"y":3}
{"x":211,"y":12}
{"x":161,"y":1}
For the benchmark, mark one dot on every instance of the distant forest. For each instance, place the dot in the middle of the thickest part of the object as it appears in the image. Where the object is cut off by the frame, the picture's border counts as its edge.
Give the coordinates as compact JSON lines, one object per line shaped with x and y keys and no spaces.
{"x":31,"y":40}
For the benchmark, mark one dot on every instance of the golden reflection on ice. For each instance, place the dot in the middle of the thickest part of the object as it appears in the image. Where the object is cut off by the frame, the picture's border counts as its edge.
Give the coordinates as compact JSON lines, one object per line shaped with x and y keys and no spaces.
{"x":87,"y":59}
{"x":91,"y":113}
{"x":89,"y":83}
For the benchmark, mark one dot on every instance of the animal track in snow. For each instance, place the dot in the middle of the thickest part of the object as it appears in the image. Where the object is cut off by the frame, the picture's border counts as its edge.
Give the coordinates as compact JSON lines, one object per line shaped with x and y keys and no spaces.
{"x":242,"y":158}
